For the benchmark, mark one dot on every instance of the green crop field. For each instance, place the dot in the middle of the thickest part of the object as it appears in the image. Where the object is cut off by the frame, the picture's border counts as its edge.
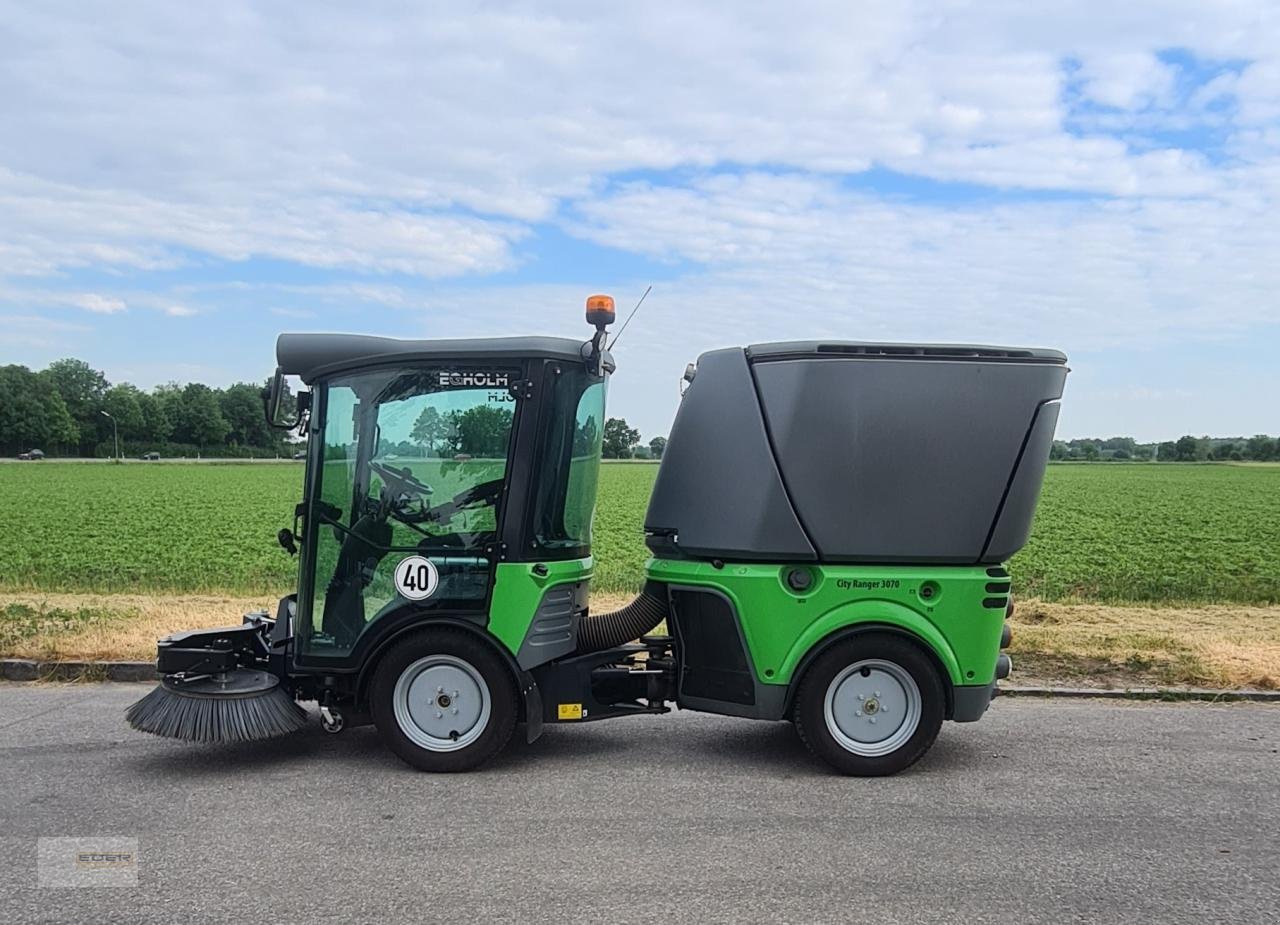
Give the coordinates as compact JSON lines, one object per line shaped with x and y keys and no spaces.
{"x":1105,"y":532}
{"x":1131,"y":532}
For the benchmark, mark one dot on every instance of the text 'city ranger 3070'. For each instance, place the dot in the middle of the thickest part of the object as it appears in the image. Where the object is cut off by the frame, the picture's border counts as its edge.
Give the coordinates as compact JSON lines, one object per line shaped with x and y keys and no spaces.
{"x":828,"y":530}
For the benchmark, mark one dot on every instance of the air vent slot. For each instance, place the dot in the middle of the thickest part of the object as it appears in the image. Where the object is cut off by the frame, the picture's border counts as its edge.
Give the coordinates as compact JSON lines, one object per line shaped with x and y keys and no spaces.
{"x":907,"y":350}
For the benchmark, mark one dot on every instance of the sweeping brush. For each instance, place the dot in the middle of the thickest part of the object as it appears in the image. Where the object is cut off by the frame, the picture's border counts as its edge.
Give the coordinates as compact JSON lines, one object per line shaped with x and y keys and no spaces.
{"x":237,"y":706}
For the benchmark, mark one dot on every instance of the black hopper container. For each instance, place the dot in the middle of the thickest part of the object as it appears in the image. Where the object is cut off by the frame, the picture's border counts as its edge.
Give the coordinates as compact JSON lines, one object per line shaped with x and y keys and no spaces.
{"x":848,"y":452}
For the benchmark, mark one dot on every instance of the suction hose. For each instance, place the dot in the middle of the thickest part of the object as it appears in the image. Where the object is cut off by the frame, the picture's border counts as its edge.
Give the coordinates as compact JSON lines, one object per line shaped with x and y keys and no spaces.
{"x":606,"y":630}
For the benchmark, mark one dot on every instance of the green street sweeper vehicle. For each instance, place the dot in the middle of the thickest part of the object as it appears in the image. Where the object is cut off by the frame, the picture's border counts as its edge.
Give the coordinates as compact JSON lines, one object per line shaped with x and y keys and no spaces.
{"x":828,"y":529}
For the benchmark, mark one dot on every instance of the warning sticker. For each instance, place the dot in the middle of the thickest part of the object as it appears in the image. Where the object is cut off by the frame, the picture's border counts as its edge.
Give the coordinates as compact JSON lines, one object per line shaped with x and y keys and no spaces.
{"x":416,"y":578}
{"x":570,"y":711}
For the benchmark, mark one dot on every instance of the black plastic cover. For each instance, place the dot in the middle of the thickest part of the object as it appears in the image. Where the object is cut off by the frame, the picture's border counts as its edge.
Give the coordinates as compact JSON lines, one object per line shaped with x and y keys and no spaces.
{"x":718,"y":491}
{"x":1013,"y":526}
{"x":868,"y":453}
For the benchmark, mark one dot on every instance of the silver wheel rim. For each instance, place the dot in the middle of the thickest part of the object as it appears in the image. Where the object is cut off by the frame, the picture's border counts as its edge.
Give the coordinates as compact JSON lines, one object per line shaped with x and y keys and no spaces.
{"x":872,"y":707}
{"x":442,"y":703}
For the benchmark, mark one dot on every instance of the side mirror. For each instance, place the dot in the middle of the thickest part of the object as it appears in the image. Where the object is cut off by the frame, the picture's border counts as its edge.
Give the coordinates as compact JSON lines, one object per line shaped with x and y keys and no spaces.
{"x":273,"y":397}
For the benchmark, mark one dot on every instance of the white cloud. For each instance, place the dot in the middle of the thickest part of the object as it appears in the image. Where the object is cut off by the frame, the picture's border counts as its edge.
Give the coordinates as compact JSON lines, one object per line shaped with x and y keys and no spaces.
{"x":1258,"y":90}
{"x":36,"y":332}
{"x":63,"y":225}
{"x":1078,"y":270}
{"x":1126,"y":80}
{"x":348,"y":140}
{"x":373,"y":149}
{"x":98,"y":304}
{"x":179,"y":311}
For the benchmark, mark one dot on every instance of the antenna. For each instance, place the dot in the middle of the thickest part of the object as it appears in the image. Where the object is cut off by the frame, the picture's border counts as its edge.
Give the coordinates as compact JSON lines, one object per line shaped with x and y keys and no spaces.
{"x":614,"y":342}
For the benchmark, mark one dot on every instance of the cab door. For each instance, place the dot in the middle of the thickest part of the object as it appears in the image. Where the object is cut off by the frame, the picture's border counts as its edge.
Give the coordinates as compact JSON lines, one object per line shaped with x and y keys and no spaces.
{"x":409,"y":479}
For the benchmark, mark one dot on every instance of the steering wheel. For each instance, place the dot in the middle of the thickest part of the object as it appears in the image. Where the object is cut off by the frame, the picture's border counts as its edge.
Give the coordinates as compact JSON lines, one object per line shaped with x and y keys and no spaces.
{"x":486,"y":493}
{"x":401,"y":481}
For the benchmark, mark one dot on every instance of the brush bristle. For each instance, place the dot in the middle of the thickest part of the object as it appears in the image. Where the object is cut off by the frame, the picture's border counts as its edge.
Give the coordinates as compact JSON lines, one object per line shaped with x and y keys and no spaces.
{"x":217,"y":719}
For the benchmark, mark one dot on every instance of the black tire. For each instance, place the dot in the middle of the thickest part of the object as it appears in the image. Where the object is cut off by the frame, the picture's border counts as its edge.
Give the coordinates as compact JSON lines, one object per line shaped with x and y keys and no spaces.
{"x":491,"y":735}
{"x":809,"y":712}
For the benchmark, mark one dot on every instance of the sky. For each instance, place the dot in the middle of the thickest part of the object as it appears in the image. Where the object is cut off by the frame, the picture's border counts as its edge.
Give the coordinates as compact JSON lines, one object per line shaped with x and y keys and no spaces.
{"x":180,"y":183}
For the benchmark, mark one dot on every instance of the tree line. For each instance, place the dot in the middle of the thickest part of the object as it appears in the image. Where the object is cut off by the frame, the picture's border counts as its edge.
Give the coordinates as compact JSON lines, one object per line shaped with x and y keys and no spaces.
{"x":621,"y":441}
{"x":68,"y":409}
{"x":1188,"y":448}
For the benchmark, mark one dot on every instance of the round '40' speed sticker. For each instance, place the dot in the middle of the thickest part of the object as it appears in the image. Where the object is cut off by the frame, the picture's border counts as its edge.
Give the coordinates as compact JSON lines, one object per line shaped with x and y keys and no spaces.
{"x":416,"y":578}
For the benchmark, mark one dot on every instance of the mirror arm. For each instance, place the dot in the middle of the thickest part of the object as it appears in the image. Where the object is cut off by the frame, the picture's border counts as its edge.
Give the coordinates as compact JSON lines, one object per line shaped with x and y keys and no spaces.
{"x":304,"y":410}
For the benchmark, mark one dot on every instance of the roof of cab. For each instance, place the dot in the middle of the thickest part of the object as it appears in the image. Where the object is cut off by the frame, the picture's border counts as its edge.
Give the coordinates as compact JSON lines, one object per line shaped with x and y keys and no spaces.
{"x":310,"y":356}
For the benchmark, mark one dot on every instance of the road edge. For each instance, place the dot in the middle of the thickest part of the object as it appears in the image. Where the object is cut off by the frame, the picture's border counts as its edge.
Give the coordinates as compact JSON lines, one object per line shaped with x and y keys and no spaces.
{"x":1216,"y":695}
{"x":24,"y":669}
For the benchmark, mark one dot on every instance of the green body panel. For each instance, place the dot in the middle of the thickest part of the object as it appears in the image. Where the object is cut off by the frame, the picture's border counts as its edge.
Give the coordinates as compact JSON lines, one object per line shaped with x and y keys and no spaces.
{"x":781,"y":626}
{"x":517,"y":591}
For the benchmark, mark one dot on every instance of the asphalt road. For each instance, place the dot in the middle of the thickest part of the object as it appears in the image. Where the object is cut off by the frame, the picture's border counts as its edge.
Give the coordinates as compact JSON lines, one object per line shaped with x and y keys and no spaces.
{"x":1043,"y":812}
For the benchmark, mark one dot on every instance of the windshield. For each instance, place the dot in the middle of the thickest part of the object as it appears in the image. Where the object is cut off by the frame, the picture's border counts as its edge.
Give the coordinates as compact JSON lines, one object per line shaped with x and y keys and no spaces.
{"x":428,"y":444}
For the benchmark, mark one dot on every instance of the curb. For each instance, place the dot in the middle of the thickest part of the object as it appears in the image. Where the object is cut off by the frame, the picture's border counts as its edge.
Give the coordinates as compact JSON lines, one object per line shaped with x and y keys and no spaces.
{"x":23,"y":669}
{"x":1144,"y":693}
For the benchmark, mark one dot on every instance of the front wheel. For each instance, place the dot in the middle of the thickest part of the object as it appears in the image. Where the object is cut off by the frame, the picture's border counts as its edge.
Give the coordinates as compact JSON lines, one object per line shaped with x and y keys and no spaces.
{"x":870,"y":706}
{"x":443,"y":701}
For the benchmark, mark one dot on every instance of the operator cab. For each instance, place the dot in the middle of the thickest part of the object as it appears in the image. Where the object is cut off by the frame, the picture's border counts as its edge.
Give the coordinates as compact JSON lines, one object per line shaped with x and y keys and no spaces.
{"x":430,"y":462}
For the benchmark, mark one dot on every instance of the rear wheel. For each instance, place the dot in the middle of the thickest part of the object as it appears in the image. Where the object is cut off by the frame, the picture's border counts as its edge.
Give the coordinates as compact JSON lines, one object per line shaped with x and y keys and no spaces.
{"x":444,"y":701}
{"x":871,"y":705}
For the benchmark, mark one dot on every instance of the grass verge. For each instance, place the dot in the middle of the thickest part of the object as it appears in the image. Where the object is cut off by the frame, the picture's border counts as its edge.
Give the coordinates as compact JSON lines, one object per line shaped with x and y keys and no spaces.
{"x":1227,"y":646}
{"x":42,"y":630}
{"x":113,"y":627}
{"x":125,"y":627}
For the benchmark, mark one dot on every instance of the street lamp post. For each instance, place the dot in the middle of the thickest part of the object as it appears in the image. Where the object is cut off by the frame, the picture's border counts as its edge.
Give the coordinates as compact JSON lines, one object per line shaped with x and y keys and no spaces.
{"x":116,"y":430}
